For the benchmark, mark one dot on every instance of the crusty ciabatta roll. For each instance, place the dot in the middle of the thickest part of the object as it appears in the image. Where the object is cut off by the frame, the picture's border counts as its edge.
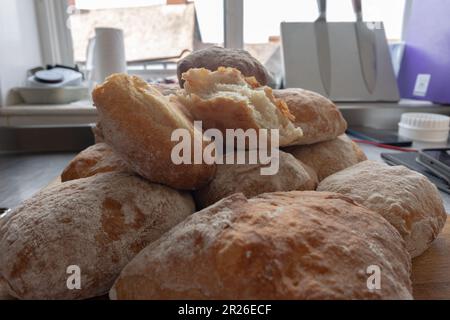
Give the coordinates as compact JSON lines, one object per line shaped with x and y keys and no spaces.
{"x":284,"y":245}
{"x":166,"y":89}
{"x":90,"y":227}
{"x":138,"y":122}
{"x":318,"y":116}
{"x":98,"y":158}
{"x":407,"y":199}
{"x":328,"y":157}
{"x":225,"y":99}
{"x":248,"y":179}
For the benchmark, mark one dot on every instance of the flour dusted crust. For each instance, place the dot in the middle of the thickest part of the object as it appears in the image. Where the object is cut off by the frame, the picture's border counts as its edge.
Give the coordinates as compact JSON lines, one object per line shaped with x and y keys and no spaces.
{"x":328,"y":157}
{"x":318,"y":116}
{"x":225,"y":99}
{"x":213,"y":58}
{"x":98,"y":158}
{"x":97,"y":132}
{"x":167,"y":88}
{"x":4,"y":291}
{"x":247,"y":179}
{"x":283,"y":245}
{"x":407,"y":199}
{"x":98,"y":223}
{"x":138,"y":121}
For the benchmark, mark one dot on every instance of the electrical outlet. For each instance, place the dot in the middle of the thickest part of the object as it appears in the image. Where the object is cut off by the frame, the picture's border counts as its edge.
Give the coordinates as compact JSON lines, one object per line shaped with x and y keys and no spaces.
{"x":422,"y":84}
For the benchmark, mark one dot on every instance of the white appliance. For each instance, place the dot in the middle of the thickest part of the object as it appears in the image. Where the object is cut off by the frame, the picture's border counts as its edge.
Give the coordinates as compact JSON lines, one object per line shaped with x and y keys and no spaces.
{"x":55,"y":78}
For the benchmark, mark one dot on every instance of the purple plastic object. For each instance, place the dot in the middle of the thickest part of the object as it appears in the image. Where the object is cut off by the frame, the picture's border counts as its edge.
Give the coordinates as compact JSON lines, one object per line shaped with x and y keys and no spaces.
{"x":425,"y":69}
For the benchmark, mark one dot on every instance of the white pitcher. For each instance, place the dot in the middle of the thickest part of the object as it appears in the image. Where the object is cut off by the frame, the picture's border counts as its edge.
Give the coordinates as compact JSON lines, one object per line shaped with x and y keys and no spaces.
{"x":105,"y":54}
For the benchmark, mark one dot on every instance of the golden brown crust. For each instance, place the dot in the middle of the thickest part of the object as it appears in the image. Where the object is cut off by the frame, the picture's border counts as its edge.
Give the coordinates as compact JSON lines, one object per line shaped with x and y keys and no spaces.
{"x":138,"y":121}
{"x":247,"y":179}
{"x":97,"y":223}
{"x":284,"y":245}
{"x":252,"y":82}
{"x":407,"y":199}
{"x":214,"y":57}
{"x":329,"y":157}
{"x":99,"y":158}
{"x":318,"y":117}
{"x":280,"y":103}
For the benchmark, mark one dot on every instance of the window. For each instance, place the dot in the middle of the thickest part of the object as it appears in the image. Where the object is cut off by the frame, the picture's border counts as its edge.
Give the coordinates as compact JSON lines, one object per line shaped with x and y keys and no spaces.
{"x":157,"y":32}
{"x":262,"y":18}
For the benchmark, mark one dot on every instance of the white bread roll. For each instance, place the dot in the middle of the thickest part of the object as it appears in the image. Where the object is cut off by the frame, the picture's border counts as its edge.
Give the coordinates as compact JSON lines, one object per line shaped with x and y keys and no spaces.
{"x":283,"y":245}
{"x":98,"y":224}
{"x":98,"y":158}
{"x":225,"y":99}
{"x":138,"y":122}
{"x":405,"y":198}
{"x":328,"y":157}
{"x":318,"y":116}
{"x":247,"y":179}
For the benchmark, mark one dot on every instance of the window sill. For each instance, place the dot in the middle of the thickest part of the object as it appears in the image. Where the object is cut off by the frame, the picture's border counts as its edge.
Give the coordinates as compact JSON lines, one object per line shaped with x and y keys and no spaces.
{"x":81,"y":112}
{"x":377,"y":115}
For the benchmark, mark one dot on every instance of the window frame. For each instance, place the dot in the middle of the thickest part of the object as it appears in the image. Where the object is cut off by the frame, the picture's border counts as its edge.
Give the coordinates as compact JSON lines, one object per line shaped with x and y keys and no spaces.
{"x":233,"y":23}
{"x":56,"y":38}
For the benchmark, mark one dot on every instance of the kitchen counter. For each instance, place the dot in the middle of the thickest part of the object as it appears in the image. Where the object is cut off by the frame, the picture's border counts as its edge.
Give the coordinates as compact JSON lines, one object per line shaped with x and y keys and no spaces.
{"x":22,"y":175}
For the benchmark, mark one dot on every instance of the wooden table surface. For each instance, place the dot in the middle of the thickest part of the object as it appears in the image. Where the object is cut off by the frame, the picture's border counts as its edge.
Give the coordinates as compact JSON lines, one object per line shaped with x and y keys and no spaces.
{"x":431,"y":270}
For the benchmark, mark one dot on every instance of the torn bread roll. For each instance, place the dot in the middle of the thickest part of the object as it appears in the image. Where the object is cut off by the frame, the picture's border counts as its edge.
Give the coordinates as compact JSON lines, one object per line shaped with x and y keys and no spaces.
{"x":405,"y":198}
{"x":98,"y":158}
{"x":329,"y":157}
{"x":283,"y":245}
{"x":283,"y":173}
{"x":138,"y":122}
{"x":318,"y":116}
{"x":225,"y":99}
{"x":93,"y":226}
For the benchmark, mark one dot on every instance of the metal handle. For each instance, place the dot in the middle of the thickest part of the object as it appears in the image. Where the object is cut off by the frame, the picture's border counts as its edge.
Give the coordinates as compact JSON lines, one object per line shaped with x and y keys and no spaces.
{"x":357,"y":8}
{"x":322,"y":4}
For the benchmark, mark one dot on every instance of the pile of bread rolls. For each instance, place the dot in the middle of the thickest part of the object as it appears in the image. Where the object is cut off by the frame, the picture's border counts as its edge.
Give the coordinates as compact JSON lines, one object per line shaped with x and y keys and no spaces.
{"x":138,"y":226}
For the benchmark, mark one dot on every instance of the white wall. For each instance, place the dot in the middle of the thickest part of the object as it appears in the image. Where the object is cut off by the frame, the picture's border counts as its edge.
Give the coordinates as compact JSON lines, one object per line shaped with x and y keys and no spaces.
{"x":19,"y":45}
